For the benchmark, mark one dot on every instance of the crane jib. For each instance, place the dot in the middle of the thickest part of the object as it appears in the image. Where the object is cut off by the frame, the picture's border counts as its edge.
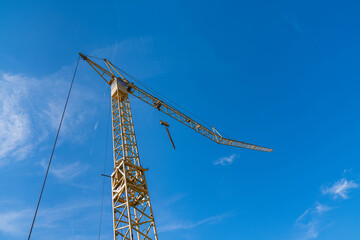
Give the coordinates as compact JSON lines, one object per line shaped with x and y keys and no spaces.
{"x":118,"y":82}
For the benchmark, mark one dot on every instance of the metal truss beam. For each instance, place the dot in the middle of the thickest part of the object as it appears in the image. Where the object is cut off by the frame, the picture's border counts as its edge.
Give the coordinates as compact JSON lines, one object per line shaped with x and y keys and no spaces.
{"x":131,"y":88}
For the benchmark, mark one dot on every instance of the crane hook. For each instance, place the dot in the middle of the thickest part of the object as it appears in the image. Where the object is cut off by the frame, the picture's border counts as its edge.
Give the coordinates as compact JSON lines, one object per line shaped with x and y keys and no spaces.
{"x":166,"y":125}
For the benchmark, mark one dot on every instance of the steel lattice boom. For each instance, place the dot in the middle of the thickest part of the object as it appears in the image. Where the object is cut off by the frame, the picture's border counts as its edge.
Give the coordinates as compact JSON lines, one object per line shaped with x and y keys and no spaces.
{"x":109,"y":75}
{"x":132,"y":212}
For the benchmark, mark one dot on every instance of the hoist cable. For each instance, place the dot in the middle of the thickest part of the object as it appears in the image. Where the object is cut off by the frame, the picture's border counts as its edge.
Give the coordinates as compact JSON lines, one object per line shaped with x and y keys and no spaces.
{"x":156,"y":93}
{"x":103,"y":183}
{"x":95,"y":57}
{"x":53,"y":149}
{"x":162,"y":96}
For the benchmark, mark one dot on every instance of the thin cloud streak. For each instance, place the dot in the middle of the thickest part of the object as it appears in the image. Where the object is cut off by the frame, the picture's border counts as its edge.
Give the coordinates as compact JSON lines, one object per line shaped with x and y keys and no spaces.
{"x":174,"y":199}
{"x":320,"y":208}
{"x":66,"y":171}
{"x":294,"y":22}
{"x":17,"y":222}
{"x":12,"y":222}
{"x":189,"y":225}
{"x":138,"y":52}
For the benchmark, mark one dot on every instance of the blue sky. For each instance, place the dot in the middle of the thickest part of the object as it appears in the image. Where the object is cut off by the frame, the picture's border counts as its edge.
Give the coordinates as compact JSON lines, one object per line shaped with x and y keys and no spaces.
{"x":282,"y":74}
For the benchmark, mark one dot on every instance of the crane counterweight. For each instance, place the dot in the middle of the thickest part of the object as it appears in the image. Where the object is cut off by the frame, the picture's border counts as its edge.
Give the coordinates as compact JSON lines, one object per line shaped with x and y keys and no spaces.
{"x":119,"y":85}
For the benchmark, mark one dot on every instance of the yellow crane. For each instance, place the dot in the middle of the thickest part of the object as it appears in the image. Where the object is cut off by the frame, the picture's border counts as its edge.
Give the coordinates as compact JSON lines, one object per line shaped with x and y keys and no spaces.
{"x":133,"y":217}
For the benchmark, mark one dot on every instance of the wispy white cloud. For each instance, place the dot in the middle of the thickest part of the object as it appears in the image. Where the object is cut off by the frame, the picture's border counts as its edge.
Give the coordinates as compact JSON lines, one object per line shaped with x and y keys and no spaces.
{"x":340,"y":188}
{"x":31,"y":107}
{"x":15,"y":129}
{"x":321,"y":208}
{"x":67,"y":171}
{"x":135,"y":55}
{"x":52,"y":217}
{"x":174,"y":199}
{"x":294,"y":22}
{"x":312,"y":230}
{"x":16,"y":222}
{"x":315,"y":211}
{"x":169,"y":220}
{"x":70,"y":171}
{"x":310,"y":221}
{"x":83,"y":104}
{"x":189,"y":225}
{"x":225,"y":161}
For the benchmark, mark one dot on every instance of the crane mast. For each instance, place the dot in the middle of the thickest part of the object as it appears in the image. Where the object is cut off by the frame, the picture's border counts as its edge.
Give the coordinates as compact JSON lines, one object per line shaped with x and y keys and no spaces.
{"x":132,"y":212}
{"x":133,"y":217}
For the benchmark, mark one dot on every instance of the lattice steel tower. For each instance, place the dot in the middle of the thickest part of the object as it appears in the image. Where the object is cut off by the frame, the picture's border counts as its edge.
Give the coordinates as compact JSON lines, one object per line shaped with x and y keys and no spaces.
{"x":132,"y":212}
{"x":131,"y":201}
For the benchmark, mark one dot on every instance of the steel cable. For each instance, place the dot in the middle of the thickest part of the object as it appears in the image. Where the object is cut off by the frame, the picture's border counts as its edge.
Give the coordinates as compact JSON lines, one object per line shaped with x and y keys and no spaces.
{"x":53,"y":149}
{"x":160,"y":96}
{"x":103,"y":183}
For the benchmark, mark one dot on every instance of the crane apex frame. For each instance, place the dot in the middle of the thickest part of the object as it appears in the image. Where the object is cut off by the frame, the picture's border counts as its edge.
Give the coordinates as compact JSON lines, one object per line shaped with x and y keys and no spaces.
{"x":133,"y":217}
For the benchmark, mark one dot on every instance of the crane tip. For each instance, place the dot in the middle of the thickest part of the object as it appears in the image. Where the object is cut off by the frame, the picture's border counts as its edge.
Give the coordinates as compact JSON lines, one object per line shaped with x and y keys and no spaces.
{"x":82,"y":56}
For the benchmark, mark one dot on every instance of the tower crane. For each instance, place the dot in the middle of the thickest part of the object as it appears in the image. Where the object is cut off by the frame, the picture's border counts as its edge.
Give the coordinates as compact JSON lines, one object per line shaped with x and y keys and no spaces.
{"x":133,"y":217}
